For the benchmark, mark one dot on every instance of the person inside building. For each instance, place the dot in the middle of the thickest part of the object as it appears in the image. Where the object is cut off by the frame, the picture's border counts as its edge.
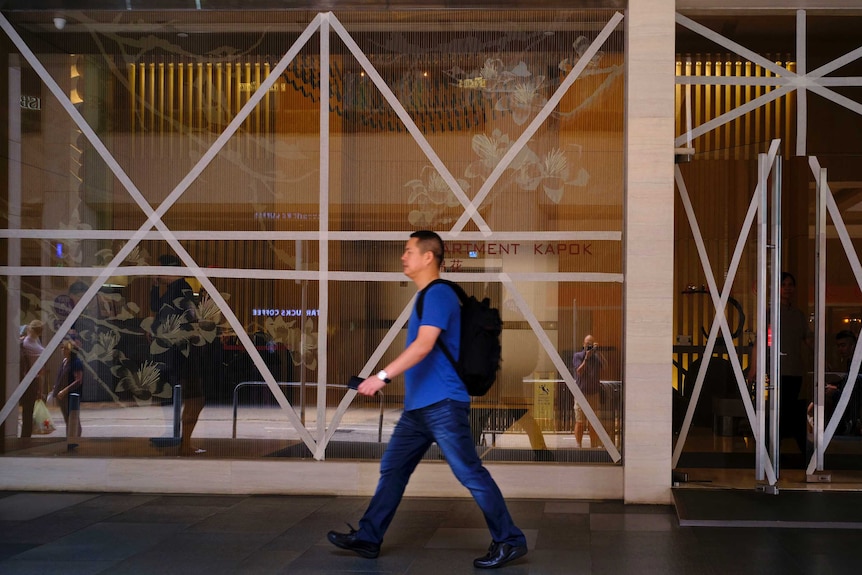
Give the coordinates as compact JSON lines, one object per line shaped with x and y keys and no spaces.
{"x":849,"y":424}
{"x":67,"y":387}
{"x":588,"y":364}
{"x":796,"y":339}
{"x":31,"y":349}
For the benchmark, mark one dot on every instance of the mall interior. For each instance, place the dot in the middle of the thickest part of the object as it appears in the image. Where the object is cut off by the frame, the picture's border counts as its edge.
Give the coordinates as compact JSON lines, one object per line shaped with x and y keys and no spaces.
{"x":653,"y":174}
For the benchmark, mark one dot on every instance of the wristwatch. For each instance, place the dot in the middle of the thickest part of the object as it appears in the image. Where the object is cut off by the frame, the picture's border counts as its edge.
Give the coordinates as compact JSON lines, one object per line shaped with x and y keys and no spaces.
{"x":383,"y":376}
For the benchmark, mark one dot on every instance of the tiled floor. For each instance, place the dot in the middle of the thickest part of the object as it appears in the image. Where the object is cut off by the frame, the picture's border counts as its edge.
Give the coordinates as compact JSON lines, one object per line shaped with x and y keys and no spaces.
{"x":75,"y":533}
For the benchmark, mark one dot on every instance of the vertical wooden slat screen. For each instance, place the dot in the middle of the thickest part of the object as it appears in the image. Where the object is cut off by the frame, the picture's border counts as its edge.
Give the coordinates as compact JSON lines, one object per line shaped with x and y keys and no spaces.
{"x":189,"y":96}
{"x":131,"y":70}
{"x":208,"y":96}
{"x":758,"y":91}
{"x":728,"y":99}
{"x":267,"y":104}
{"x":749,"y":94}
{"x":150,"y":107}
{"x":180,"y":95}
{"x":744,"y":135}
{"x":172,"y":121}
{"x":162,"y":108}
{"x":738,"y":123}
{"x":216,"y":103}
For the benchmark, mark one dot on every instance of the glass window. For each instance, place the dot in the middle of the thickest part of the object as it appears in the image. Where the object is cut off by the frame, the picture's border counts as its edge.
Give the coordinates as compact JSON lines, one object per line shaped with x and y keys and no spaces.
{"x":210,"y":210}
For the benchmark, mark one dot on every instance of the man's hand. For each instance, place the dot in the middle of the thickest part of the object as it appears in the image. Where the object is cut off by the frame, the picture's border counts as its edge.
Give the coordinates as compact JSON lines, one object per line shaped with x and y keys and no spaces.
{"x":370,"y":386}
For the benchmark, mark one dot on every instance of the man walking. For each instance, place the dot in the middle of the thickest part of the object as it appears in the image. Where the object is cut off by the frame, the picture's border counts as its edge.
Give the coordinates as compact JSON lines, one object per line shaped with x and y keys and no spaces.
{"x":436,"y":409}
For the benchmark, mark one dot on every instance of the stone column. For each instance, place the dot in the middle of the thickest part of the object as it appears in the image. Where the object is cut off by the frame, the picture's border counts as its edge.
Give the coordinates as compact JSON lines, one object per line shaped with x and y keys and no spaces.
{"x":649,"y":235}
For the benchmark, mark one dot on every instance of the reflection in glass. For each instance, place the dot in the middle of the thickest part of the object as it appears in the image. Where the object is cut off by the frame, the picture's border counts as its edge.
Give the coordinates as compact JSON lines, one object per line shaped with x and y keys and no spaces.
{"x":287,"y":242}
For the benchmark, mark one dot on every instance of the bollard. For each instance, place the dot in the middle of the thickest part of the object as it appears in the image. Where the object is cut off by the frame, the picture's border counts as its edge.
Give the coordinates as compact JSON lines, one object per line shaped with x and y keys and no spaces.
{"x":178,"y":409}
{"x":73,"y":427}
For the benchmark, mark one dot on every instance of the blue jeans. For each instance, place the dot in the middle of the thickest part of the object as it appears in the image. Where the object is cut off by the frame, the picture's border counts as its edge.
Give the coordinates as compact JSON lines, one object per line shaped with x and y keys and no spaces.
{"x":446,"y":422}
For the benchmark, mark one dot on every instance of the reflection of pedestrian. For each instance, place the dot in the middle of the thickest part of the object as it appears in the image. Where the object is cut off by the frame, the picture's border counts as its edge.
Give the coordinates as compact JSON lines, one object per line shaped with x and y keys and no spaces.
{"x":588,"y":364}
{"x":172,"y":301}
{"x":31,"y":349}
{"x":69,"y":381}
{"x":436,"y":409}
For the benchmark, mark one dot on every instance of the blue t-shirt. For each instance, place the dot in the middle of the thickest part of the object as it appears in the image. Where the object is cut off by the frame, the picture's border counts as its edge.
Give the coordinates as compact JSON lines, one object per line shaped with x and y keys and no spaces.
{"x":434,"y":378}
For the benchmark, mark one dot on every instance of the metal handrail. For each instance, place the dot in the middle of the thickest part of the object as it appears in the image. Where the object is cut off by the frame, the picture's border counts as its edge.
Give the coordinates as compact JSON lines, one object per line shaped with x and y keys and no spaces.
{"x":296,"y":384}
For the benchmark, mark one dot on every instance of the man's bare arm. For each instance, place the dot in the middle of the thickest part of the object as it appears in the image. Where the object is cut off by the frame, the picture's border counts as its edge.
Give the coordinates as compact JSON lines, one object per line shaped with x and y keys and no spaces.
{"x":413,"y":354}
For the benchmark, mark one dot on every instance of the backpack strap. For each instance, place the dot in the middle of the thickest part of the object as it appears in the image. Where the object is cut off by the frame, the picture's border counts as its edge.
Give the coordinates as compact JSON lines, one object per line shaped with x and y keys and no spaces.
{"x":420,"y":301}
{"x":462,"y":295}
{"x":459,"y":291}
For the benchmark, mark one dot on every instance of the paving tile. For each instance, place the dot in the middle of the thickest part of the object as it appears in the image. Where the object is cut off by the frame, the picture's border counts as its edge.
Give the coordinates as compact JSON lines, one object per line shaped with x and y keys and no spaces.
{"x":763,"y":562}
{"x":452,"y":562}
{"x":8,"y":549}
{"x":197,"y":500}
{"x":104,"y":541}
{"x":172,"y":513}
{"x":44,"y":529}
{"x":41,"y":567}
{"x":459,"y":538}
{"x":140,"y":534}
{"x":566,"y":507}
{"x":326,"y":558}
{"x":153,"y":562}
{"x":467,"y":538}
{"x":105,"y":506}
{"x":311,"y":530}
{"x":564,"y":532}
{"x":631,"y":522}
{"x":267,"y":562}
{"x":847,"y":562}
{"x":24,"y":506}
{"x":557,"y":561}
{"x":229,"y":547}
{"x":256,"y":515}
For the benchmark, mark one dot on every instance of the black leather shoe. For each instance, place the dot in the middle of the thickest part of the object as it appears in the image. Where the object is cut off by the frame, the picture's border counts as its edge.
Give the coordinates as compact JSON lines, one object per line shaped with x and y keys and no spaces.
{"x":349,"y":541}
{"x":499,"y":554}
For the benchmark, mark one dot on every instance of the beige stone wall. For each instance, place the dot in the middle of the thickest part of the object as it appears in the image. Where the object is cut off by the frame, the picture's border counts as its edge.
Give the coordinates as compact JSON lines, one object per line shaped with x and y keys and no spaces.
{"x":649,"y":251}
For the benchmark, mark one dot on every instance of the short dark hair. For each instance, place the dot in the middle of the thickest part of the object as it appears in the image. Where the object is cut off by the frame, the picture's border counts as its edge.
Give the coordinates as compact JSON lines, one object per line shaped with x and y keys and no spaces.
{"x":78,"y":287}
{"x":788,"y":275}
{"x":169,"y":260}
{"x":430,"y":242}
{"x":845,"y":334}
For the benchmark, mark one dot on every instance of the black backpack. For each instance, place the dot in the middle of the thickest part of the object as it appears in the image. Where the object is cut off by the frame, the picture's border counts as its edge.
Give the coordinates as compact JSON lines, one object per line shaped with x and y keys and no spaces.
{"x":481,"y":326}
